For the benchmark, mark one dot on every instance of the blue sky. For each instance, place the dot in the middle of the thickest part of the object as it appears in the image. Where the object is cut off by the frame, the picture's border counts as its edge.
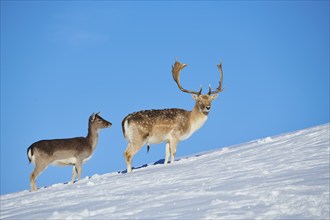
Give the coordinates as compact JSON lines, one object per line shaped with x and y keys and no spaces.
{"x":61,"y":61}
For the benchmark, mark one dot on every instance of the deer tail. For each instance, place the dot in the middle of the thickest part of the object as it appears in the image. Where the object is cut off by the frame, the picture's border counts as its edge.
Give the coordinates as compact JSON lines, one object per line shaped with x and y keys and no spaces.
{"x":30,"y":153}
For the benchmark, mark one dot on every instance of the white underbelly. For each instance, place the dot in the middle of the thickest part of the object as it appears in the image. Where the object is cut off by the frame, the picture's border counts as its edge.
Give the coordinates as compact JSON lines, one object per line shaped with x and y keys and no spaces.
{"x":66,"y":161}
{"x":157,"y":139}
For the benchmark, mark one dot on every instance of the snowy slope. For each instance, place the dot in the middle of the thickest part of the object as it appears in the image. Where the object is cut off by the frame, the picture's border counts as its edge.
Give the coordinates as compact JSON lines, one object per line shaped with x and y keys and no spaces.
{"x":282,"y":177}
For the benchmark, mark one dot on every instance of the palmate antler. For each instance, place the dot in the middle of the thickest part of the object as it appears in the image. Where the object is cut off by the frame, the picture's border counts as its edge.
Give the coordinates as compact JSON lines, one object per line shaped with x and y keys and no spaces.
{"x":177,"y":67}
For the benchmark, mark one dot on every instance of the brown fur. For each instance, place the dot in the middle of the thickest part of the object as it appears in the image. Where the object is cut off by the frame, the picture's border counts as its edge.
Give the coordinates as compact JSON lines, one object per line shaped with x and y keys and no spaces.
{"x":167,"y":125}
{"x":49,"y":146}
{"x":70,"y":151}
{"x":148,"y":118}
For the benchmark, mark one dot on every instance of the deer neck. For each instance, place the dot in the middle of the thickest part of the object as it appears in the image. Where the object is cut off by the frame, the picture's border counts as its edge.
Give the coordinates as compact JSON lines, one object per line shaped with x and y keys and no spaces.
{"x":197,"y":118}
{"x":92,"y":136}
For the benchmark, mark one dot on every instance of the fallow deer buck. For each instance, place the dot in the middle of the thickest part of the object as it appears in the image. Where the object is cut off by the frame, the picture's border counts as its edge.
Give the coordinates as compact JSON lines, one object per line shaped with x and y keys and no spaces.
{"x":63,"y":152}
{"x":167,"y":125}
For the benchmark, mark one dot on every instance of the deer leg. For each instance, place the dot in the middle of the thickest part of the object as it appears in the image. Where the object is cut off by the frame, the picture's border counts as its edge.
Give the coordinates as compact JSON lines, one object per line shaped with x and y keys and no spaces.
{"x":131,"y":150}
{"x":167,"y":152}
{"x":78,"y":167}
{"x":38,"y":169}
{"x":128,"y":158}
{"x":173,"y":144}
{"x":74,"y":173}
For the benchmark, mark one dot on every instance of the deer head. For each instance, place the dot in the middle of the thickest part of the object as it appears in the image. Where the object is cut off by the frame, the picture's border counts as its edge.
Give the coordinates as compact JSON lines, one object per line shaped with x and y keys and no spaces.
{"x":202,"y":101}
{"x":95,"y":120}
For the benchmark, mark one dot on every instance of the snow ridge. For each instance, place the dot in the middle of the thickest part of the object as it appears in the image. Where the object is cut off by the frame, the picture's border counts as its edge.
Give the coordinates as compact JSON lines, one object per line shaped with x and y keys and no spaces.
{"x":285,"y":176}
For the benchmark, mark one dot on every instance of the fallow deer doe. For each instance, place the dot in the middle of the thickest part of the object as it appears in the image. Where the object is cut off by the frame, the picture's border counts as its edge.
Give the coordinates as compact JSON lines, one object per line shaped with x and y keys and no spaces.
{"x":167,"y":125}
{"x":63,"y":152}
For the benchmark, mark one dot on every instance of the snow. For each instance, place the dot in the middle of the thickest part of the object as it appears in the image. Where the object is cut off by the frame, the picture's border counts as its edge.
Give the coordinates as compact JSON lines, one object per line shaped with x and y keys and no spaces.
{"x":280,"y":177}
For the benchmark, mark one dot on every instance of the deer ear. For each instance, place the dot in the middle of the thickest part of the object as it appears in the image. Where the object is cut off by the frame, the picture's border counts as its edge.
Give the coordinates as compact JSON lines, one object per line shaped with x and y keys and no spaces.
{"x":92,"y":117}
{"x":195,"y":97}
{"x":214,"y":96}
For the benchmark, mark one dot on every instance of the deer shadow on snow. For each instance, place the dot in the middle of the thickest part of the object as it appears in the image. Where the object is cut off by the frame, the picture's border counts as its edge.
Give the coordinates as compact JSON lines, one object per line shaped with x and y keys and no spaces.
{"x":158,"y":162}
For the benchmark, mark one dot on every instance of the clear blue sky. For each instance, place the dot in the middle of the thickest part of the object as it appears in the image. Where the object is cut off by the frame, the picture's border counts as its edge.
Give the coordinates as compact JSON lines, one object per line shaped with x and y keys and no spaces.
{"x":61,"y":61}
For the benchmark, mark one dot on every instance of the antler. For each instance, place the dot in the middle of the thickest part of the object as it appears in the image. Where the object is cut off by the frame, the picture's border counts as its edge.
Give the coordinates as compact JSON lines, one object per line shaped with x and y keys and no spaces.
{"x":176,"y":68}
{"x":219,"y":89}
